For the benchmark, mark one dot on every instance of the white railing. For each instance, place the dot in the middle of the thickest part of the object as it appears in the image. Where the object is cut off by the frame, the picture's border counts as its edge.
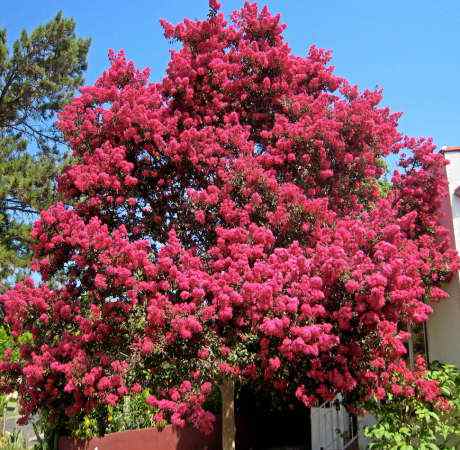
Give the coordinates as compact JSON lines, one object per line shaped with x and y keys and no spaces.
{"x":332,"y":427}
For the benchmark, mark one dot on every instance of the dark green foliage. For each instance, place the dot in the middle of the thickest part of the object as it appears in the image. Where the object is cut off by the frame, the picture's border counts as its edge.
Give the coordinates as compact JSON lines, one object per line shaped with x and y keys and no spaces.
{"x":38,"y":75}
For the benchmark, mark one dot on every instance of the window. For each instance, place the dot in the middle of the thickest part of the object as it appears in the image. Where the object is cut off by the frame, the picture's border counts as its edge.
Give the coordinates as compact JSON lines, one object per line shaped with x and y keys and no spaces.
{"x":417,"y":344}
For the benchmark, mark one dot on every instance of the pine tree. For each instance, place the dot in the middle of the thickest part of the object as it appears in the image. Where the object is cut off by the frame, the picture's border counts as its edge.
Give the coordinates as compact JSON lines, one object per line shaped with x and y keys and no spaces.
{"x":38,"y":75}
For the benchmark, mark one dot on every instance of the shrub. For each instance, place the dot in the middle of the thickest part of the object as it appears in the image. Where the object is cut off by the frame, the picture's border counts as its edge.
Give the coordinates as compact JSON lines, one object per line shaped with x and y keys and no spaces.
{"x":420,"y":421}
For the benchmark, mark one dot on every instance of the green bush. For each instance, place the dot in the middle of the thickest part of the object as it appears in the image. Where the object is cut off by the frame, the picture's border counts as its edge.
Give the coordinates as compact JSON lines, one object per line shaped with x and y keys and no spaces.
{"x":413,"y":424}
{"x":5,"y":340}
{"x":132,"y":413}
{"x":13,"y":441}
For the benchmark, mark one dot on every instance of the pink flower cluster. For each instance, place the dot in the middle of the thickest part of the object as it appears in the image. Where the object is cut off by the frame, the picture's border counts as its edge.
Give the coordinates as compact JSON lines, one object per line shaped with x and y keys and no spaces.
{"x":228,"y":221}
{"x":401,"y":382}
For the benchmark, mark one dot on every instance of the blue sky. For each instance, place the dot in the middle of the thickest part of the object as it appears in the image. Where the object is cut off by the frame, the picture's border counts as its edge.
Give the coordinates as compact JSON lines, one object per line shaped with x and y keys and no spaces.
{"x":410,"y":48}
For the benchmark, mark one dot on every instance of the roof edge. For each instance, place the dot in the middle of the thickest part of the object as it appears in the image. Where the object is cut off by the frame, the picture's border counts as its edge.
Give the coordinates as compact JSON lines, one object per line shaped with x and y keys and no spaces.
{"x":448,"y":149}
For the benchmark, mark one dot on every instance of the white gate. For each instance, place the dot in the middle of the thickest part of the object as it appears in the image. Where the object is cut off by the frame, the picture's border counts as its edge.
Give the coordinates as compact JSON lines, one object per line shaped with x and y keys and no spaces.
{"x":332,"y":427}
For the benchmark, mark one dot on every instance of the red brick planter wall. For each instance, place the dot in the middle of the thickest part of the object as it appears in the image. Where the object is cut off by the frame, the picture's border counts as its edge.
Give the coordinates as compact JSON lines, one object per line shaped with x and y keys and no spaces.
{"x":170,"y":438}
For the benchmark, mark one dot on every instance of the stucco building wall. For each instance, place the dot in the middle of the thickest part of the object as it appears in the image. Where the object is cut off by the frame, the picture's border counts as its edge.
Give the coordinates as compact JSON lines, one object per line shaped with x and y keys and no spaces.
{"x":443,"y":328}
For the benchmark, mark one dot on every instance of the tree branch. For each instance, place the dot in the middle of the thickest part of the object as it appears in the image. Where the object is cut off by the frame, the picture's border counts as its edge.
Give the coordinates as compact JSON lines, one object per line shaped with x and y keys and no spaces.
{"x":21,"y":239}
{"x":23,"y":209}
{"x":7,"y":86}
{"x":33,"y":131}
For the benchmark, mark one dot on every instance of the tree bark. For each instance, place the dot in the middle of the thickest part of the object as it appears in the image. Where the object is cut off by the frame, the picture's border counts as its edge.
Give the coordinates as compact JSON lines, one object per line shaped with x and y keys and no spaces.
{"x":228,"y":414}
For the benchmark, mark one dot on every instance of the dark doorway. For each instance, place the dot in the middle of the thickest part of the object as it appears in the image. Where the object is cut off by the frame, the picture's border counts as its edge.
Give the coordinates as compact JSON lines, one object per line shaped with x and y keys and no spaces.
{"x":268,"y":422}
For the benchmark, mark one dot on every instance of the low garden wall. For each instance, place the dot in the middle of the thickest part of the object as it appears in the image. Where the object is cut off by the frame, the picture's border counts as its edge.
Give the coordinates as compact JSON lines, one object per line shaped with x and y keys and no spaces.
{"x":170,"y":438}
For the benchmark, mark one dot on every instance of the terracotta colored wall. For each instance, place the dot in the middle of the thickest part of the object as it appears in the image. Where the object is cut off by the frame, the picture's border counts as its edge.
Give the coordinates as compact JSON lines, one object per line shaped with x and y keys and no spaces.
{"x":147,"y":439}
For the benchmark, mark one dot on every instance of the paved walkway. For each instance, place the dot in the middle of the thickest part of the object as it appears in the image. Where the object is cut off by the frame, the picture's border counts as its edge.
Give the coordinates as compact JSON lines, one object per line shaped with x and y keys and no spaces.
{"x":9,"y":422}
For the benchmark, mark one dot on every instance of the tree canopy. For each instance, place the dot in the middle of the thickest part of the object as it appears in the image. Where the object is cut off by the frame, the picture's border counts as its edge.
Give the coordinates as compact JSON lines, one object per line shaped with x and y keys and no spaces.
{"x":225,"y":223}
{"x":38,"y":76}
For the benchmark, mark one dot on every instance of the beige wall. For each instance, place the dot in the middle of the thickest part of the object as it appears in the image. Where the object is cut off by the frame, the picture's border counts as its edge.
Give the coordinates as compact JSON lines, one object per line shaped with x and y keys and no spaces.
{"x":444,"y":329}
{"x":444,"y":325}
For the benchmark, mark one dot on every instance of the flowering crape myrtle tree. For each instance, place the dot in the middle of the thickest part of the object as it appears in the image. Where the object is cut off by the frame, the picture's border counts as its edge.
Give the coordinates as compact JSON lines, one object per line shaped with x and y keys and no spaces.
{"x":227,"y":225}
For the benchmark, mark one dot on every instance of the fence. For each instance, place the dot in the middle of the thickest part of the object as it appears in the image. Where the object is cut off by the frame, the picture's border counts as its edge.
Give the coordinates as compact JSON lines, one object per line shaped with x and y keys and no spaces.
{"x":332,"y":427}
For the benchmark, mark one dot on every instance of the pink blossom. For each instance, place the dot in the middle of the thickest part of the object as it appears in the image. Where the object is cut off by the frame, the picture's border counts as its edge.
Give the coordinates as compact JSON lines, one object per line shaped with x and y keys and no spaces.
{"x":227,"y":221}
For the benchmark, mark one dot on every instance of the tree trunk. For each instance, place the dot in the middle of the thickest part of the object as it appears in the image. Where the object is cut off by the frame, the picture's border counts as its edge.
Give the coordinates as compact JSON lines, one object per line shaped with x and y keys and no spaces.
{"x":228,"y":414}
